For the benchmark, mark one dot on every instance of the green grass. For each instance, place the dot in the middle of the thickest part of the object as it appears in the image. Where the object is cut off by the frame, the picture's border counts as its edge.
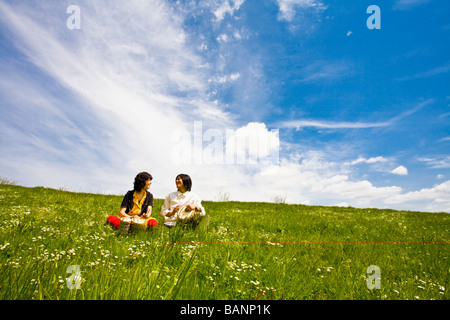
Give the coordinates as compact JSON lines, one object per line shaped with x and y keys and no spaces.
{"x":251,"y":251}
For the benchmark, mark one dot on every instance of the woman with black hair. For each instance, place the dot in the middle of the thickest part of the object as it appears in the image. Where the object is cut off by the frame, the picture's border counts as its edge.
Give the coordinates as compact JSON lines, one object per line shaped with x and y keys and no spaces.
{"x":182,"y":199}
{"x":137,"y":202}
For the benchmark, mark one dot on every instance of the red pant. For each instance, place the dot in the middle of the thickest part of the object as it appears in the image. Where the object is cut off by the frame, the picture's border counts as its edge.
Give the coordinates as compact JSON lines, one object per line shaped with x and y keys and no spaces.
{"x":115,"y":222}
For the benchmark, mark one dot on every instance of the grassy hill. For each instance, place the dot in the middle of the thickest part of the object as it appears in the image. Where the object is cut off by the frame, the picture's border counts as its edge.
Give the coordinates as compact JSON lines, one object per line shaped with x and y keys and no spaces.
{"x":250,"y":251}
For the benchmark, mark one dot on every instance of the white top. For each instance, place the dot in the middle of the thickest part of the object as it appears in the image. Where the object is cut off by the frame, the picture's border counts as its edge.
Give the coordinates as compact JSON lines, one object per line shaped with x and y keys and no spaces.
{"x":179,"y":199}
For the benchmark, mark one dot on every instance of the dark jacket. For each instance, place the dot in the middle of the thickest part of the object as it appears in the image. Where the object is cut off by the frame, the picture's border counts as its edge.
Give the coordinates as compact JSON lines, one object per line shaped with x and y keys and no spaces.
{"x":127,"y":202}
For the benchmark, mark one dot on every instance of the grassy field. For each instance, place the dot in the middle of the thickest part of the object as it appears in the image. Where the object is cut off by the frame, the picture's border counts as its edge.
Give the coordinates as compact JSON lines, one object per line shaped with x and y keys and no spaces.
{"x":250,"y":251}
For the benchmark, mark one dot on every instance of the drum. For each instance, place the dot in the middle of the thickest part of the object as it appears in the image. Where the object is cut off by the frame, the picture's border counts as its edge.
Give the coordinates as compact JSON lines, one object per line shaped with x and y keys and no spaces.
{"x":124,"y":225}
{"x":138,"y":224}
{"x":185,"y":216}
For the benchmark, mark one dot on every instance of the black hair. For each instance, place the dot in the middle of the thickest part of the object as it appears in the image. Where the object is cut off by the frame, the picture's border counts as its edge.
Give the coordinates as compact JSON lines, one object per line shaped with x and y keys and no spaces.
{"x":141,"y":178}
{"x":187,"y":182}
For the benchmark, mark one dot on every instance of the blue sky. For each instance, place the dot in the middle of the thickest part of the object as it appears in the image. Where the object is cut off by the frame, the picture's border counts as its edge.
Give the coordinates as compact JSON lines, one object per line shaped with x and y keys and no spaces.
{"x":355,"y":116}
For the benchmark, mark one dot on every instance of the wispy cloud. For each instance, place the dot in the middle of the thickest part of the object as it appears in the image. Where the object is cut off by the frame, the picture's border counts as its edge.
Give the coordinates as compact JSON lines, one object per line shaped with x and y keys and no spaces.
{"x":372,"y":160}
{"x":138,"y":91}
{"x":439,"y":162}
{"x":223,"y":38}
{"x":298,"y":124}
{"x":408,"y":4}
{"x":288,"y":7}
{"x":379,"y":164}
{"x":304,"y":123}
{"x":227,"y":78}
{"x":325,"y":70}
{"x":227,"y":7}
{"x":427,"y":74}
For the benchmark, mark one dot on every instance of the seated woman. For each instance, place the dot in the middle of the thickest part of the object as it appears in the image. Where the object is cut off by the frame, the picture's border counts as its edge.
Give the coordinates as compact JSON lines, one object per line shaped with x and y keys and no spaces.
{"x":183,"y":199}
{"x":137,"y":202}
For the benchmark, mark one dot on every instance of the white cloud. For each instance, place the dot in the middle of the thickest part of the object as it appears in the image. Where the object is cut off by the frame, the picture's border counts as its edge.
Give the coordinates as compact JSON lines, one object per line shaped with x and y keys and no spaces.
{"x":223,"y":38}
{"x":319,"y":124}
{"x":227,"y":6}
{"x":298,"y":124}
{"x":440,"y":162}
{"x":431,"y":199}
{"x":379,"y":164}
{"x":288,"y":7}
{"x":378,"y":159}
{"x":314,"y":179}
{"x":255,"y":140}
{"x":227,"y":78}
{"x":400,"y":170}
{"x":203,"y":47}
